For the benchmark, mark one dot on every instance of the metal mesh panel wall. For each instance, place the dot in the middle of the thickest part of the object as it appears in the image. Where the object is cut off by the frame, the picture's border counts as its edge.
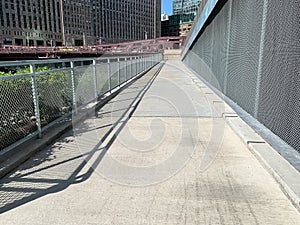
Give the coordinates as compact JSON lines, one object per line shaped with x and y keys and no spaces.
{"x":279,"y":101}
{"x":209,"y":54}
{"x":243,"y":52}
{"x":205,"y":54}
{"x":252,"y":50}
{"x":220,"y":47}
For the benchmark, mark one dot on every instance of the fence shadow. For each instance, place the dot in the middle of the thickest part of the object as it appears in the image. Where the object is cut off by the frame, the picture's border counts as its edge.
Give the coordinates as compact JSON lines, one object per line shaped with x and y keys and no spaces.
{"x":61,"y":164}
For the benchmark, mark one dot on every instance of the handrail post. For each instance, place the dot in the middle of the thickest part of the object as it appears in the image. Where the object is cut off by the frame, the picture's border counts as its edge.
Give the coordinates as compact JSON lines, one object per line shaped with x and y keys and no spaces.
{"x":109,"y":78}
{"x":130,"y":67}
{"x":73,"y":87}
{"x":119,"y":68}
{"x":95,"y":78}
{"x":35,"y":100}
{"x":139,"y":64}
{"x":136,"y":65}
{"x":125,"y":69}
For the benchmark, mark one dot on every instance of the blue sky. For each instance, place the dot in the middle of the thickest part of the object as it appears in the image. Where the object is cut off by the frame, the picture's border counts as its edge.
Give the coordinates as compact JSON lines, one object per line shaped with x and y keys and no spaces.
{"x":166,"y":6}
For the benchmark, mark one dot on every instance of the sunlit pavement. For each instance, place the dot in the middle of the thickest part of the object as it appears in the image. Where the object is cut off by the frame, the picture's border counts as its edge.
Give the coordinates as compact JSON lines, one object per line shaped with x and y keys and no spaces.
{"x":158,"y":153}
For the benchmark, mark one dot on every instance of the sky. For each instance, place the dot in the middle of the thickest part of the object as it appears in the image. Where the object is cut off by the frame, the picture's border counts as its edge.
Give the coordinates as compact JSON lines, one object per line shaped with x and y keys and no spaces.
{"x":166,"y":6}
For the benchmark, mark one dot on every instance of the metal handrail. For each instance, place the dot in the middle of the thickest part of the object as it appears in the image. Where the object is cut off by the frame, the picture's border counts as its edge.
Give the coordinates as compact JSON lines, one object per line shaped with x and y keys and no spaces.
{"x":29,"y":101}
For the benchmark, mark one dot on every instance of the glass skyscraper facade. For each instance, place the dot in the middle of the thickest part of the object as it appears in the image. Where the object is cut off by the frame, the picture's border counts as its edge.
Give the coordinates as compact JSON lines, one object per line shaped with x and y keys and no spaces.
{"x":185,"y":6}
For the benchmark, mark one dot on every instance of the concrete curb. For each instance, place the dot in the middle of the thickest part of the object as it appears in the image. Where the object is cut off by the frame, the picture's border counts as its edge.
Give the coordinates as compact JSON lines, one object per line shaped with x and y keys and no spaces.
{"x":281,"y":170}
{"x":31,"y":147}
{"x":24,"y":151}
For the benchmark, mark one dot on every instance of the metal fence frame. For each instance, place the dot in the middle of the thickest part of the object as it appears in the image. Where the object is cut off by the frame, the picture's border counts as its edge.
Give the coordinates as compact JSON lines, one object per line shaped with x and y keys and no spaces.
{"x":132,"y":67}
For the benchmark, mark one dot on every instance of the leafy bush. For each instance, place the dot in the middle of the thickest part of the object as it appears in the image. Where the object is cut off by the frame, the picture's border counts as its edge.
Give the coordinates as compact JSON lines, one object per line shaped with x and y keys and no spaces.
{"x":17,"y":118}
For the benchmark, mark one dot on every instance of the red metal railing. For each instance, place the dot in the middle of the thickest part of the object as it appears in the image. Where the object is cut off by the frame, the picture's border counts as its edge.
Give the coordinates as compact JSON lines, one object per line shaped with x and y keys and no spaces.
{"x":143,"y":46}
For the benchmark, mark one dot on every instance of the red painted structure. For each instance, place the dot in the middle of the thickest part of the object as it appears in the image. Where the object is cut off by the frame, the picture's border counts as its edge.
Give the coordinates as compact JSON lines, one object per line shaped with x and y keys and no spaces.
{"x":9,"y":52}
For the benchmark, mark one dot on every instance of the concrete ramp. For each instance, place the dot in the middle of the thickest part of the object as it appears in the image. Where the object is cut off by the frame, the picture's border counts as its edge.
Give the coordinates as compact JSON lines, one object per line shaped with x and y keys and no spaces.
{"x":160,"y":152}
{"x":172,"y":54}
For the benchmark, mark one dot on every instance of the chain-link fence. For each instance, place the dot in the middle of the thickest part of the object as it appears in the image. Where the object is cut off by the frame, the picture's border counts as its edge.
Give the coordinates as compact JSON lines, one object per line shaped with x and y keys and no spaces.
{"x":250,"y":51}
{"x":34,"y":95}
{"x":17,"y":111}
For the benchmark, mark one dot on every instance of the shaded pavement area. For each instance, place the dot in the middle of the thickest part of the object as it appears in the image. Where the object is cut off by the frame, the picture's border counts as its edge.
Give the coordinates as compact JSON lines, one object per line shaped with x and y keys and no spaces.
{"x":160,"y":152}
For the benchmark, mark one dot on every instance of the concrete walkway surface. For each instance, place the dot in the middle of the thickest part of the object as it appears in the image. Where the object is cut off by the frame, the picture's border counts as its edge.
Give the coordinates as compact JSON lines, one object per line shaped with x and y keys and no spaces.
{"x":158,"y":153}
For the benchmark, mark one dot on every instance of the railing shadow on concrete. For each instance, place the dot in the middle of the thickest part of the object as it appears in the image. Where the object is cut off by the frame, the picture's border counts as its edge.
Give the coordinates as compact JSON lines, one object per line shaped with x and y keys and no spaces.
{"x":62,"y":165}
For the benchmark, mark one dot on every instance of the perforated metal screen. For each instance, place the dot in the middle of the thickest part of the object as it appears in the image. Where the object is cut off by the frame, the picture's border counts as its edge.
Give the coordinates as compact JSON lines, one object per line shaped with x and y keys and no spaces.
{"x":279,"y":100}
{"x":250,"y":50}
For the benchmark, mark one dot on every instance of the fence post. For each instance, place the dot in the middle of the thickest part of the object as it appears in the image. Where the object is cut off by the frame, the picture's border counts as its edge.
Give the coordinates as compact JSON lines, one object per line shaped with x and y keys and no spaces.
{"x":130,"y":67}
{"x":35,"y":100}
{"x":142,"y":59}
{"x":73,"y":87}
{"x":95,"y":78}
{"x":136,"y":65}
{"x":119,"y":68}
{"x":109,"y":79}
{"x":140,"y":64}
{"x":126,"y":69}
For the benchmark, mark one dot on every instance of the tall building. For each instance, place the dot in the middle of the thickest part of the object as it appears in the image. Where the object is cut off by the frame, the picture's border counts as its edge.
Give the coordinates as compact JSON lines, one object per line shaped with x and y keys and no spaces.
{"x":177,"y":25}
{"x":30,"y":22}
{"x":77,"y":22}
{"x":126,"y":20}
{"x":181,"y":22}
{"x":185,"y":6}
